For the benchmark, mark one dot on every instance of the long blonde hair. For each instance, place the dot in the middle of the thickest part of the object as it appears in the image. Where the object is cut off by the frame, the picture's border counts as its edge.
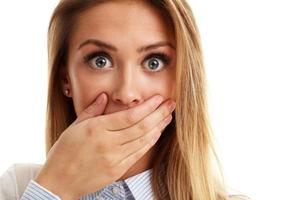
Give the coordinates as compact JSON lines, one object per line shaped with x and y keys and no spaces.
{"x":184,"y":166}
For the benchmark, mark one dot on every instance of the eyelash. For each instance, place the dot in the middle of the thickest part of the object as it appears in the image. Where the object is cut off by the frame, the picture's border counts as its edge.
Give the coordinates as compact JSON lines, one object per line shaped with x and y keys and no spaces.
{"x":159,"y":55}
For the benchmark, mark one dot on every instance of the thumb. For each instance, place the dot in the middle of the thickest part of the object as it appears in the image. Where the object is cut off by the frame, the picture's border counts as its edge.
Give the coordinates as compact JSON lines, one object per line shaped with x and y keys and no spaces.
{"x":94,"y":109}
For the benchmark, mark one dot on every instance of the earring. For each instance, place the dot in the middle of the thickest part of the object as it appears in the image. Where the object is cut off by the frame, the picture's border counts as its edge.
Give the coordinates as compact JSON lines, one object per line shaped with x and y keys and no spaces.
{"x":67,"y":92}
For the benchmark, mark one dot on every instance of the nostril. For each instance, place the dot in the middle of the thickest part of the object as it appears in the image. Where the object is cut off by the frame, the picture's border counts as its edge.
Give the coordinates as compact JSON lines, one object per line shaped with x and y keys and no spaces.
{"x":134,"y":103}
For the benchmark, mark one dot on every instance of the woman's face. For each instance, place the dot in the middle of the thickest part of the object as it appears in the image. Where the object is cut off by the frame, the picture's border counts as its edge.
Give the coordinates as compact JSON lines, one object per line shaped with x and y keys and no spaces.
{"x":123,"y":48}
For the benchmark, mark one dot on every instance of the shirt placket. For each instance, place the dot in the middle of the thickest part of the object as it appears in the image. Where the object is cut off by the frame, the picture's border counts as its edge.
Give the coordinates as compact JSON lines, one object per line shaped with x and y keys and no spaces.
{"x":113,"y":191}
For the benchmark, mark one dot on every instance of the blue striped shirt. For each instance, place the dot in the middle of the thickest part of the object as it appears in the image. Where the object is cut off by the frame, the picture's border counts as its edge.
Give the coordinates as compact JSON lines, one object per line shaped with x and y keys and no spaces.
{"x":137,"y":187}
{"x":19,"y":178}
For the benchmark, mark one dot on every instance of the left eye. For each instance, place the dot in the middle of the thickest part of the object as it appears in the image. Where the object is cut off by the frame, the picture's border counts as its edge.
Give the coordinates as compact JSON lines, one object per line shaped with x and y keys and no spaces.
{"x":156,"y":62}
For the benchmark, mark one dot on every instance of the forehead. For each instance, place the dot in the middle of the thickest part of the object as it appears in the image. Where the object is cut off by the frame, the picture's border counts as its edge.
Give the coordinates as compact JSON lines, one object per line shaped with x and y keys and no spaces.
{"x":121,"y":22}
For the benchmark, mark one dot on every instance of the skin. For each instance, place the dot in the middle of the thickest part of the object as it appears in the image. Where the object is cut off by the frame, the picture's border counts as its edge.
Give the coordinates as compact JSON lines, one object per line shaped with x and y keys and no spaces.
{"x":126,"y":77}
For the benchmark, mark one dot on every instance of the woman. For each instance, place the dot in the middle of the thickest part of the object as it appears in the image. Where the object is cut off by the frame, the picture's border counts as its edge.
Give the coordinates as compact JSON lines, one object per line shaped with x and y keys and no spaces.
{"x":116,"y":70}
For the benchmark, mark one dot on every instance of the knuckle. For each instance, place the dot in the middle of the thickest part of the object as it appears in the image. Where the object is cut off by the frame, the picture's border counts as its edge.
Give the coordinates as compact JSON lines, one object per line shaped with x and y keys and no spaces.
{"x":162,"y":114}
{"x":143,"y":126}
{"x":88,"y":111}
{"x":108,"y":160}
{"x":103,"y":146}
{"x":159,"y":127}
{"x":165,"y":112}
{"x":113,"y":171}
{"x":142,"y":140}
{"x":90,"y":128}
{"x":138,"y":155}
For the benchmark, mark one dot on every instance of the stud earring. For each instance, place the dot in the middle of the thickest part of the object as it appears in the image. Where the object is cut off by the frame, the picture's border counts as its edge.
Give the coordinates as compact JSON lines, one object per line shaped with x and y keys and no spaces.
{"x":67,"y":92}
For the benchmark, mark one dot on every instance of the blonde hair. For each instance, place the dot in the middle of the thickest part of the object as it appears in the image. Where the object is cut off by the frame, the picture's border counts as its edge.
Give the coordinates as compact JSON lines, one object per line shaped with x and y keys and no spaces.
{"x":184,"y":167}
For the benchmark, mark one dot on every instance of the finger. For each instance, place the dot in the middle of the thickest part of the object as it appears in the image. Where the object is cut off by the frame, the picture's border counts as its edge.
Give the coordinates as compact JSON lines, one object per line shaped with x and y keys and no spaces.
{"x":146,"y":124}
{"x":132,"y":158}
{"x":150,"y":138}
{"x":125,"y":118}
{"x":96,"y":108}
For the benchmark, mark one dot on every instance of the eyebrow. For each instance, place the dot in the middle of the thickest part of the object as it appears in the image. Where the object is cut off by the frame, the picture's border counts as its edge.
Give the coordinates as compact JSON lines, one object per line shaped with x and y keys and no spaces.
{"x":103,"y":44}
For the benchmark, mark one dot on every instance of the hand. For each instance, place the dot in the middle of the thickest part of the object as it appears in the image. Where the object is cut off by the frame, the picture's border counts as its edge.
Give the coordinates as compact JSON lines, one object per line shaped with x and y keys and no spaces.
{"x":97,"y":149}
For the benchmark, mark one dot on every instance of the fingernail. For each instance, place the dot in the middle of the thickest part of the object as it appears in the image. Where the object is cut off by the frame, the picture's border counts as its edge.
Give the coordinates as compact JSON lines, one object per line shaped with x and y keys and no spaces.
{"x":100,"y":98}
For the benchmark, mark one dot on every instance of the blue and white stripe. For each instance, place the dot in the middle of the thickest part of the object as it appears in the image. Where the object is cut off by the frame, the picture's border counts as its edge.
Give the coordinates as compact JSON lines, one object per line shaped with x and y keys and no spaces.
{"x":34,"y":191}
{"x":140,"y":185}
{"x":137,"y":187}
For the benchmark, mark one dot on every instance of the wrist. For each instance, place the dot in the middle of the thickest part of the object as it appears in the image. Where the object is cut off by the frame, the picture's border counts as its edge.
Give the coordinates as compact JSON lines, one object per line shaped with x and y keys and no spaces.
{"x":55,"y":188}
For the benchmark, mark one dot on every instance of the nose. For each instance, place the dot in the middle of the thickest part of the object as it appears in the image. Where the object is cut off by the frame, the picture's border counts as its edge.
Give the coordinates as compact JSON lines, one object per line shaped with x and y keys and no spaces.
{"x":126,"y":91}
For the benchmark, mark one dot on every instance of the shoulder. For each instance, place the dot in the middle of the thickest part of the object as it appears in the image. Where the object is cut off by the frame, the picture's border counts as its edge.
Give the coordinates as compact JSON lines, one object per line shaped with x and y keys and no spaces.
{"x":15,"y":179}
{"x":235,"y":194}
{"x":24,"y":170}
{"x":238,"y":197}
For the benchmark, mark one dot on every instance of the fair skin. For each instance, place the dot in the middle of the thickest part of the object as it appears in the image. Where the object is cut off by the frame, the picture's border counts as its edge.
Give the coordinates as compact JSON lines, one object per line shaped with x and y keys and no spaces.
{"x":130,"y":79}
{"x":127,"y":81}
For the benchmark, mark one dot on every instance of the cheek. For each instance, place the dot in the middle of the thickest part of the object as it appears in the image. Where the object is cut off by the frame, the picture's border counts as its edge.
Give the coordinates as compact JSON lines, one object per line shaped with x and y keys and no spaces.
{"x":163,"y":84}
{"x":86,"y":88}
{"x":168,"y":83}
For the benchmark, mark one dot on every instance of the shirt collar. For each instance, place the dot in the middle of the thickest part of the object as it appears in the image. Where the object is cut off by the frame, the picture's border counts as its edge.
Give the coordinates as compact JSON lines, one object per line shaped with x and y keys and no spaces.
{"x":140,"y":185}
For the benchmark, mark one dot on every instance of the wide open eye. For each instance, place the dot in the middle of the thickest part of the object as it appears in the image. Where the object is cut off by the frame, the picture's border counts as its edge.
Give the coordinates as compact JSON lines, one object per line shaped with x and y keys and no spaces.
{"x":157,"y":61}
{"x":98,"y":60}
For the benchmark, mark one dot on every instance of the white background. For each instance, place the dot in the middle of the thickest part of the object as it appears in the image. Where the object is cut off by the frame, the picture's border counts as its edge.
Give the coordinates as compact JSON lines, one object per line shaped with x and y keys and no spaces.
{"x":252,"y":57}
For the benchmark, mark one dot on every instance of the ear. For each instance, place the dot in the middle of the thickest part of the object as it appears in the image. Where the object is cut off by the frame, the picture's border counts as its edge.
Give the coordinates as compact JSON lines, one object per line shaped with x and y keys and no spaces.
{"x":65,"y":81}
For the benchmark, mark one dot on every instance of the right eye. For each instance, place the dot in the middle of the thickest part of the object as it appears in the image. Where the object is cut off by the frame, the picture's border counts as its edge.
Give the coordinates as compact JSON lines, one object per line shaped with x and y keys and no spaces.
{"x":98,"y":60}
